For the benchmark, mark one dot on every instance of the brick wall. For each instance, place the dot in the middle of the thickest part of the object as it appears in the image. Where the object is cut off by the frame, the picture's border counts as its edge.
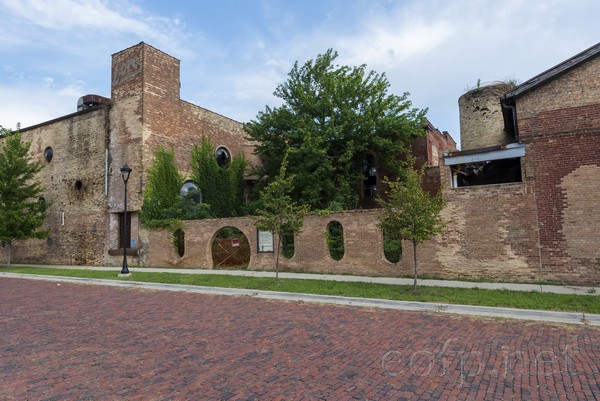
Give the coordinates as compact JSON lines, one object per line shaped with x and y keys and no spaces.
{"x":74,"y":185}
{"x":491,"y":234}
{"x":560,"y":124}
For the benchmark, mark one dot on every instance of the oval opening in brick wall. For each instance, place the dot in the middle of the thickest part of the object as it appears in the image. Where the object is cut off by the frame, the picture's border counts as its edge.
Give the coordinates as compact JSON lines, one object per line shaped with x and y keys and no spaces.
{"x":48,"y":154}
{"x":179,"y":241}
{"x":335,"y":239}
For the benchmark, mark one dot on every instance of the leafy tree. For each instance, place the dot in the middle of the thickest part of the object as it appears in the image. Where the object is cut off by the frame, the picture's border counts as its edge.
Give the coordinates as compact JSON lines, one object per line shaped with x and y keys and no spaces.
{"x":330,"y":118}
{"x":22,"y":210}
{"x":161,"y":194}
{"x":163,"y":204}
{"x":222,"y":187}
{"x":279,"y":213}
{"x":410,"y":211}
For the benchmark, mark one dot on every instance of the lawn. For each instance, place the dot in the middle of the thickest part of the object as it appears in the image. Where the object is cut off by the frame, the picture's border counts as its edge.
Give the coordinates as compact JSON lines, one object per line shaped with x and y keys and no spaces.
{"x":496,"y":298}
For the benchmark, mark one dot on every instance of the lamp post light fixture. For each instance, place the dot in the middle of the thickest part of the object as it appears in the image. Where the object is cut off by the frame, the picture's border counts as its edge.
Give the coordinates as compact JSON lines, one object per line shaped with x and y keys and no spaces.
{"x":125,"y":171}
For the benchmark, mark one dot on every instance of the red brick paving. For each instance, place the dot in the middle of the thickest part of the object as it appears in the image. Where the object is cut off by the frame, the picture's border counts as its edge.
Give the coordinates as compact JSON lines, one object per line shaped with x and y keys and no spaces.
{"x":89,"y":342}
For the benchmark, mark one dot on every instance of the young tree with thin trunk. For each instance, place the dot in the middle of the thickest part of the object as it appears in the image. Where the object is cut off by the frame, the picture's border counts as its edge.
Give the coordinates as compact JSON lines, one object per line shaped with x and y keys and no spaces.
{"x":22,"y":208}
{"x":279,"y":214}
{"x":410,"y":211}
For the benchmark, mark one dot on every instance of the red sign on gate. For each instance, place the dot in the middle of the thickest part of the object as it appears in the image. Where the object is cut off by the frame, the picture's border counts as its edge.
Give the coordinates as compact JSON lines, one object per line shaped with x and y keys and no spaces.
{"x":235,"y":242}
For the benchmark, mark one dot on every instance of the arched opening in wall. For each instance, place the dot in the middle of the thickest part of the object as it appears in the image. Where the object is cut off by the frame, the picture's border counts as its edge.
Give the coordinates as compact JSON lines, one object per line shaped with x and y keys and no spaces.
{"x":179,"y":241}
{"x":78,"y":186}
{"x":392,"y":246}
{"x":287,"y":245}
{"x":230,"y":249}
{"x":335,"y":239}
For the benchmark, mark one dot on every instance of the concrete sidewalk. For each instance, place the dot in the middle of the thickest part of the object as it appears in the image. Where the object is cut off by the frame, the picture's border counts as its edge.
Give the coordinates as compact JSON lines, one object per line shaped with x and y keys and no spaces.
{"x":554,"y":289}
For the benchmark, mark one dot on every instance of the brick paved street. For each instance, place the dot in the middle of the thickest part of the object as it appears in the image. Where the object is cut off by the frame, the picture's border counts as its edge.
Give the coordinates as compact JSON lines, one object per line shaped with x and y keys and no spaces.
{"x":89,"y":342}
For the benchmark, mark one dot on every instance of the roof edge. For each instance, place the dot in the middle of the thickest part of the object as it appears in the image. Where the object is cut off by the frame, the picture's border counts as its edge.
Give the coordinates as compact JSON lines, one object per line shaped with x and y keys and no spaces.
{"x":555,"y":71}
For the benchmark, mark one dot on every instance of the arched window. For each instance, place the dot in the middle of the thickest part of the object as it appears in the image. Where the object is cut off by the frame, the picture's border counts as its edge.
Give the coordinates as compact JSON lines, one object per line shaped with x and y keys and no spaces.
{"x":223,"y":156}
{"x":335,"y":239}
{"x":48,"y":153}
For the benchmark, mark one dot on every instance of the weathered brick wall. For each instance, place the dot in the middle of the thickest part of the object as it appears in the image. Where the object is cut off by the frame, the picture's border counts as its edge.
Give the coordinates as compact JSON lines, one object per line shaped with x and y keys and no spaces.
{"x":560,"y":124}
{"x":73,"y":183}
{"x":491,"y":234}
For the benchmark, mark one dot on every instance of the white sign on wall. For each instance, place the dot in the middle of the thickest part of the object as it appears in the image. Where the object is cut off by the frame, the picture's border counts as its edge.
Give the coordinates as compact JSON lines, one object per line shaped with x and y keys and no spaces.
{"x":265,"y":241}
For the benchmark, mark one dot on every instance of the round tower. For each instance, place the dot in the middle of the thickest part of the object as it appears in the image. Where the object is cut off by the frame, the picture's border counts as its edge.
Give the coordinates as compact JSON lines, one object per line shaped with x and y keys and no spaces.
{"x":481,"y":121}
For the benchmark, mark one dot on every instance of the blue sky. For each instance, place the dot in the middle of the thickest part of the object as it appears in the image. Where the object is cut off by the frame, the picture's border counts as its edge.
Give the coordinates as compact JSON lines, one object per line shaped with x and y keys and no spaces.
{"x":234,"y":53}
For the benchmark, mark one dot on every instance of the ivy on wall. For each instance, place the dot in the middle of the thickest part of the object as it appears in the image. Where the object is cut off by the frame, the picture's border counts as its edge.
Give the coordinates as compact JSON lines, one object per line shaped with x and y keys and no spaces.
{"x":222,"y":187}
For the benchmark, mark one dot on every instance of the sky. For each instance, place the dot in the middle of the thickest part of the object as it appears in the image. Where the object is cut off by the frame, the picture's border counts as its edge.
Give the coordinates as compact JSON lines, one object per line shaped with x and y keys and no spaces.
{"x":234,"y":53}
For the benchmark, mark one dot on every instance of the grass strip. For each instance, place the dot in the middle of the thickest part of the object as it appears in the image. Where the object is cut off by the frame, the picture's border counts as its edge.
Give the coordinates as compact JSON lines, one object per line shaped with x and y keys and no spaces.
{"x":464,"y":296}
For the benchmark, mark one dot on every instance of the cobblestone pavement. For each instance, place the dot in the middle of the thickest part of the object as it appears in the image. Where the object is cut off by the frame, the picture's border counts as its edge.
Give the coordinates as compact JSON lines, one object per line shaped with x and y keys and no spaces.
{"x":90,"y":342}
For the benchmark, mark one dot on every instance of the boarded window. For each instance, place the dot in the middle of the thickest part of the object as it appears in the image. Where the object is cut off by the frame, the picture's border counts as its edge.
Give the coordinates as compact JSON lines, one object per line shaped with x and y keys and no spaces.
{"x":124,"y":230}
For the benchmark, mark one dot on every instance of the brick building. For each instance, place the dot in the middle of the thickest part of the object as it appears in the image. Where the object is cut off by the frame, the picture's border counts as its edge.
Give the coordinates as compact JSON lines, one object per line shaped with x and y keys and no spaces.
{"x":84,"y":151}
{"x":522,"y":193}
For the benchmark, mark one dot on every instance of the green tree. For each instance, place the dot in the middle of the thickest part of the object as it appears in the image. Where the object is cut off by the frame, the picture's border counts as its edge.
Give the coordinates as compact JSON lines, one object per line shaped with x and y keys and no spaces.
{"x":279,"y":214}
{"x":163,"y":204}
{"x":330,"y":118}
{"x":222,"y":187}
{"x":22,"y":210}
{"x":410,"y":211}
{"x":161,"y":195}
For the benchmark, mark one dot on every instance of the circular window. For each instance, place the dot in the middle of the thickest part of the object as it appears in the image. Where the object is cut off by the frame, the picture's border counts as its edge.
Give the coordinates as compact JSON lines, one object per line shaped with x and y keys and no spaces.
{"x":223,"y":156}
{"x":190,"y":189}
{"x":48,"y":153}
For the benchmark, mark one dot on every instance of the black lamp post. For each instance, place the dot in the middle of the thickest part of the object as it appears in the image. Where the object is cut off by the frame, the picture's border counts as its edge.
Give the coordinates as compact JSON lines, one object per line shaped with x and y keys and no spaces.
{"x":125,"y":171}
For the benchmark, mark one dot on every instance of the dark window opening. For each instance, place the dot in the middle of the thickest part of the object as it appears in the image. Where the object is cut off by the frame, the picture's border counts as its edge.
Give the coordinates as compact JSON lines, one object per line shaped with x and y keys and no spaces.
{"x":124,"y":235}
{"x":370,"y":174}
{"x":223,"y":156}
{"x":486,"y":173}
{"x":48,"y":153}
{"x":78,"y":185}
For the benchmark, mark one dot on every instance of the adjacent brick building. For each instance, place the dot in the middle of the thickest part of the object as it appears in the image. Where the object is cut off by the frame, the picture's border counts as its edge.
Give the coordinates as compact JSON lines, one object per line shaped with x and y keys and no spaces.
{"x":522,"y":195}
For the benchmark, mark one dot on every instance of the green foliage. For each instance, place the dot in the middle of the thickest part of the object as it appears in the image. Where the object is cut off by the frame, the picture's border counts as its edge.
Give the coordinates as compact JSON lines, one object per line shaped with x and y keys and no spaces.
{"x":163,"y":205}
{"x":462,"y":296}
{"x":222,"y":187}
{"x":279,"y":213}
{"x":410,"y":211}
{"x":21,"y":211}
{"x":162,"y":189}
{"x":392,"y":246}
{"x":331,"y":116}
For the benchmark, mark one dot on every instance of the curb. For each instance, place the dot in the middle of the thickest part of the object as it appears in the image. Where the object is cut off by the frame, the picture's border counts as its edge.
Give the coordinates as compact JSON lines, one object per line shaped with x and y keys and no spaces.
{"x":485,"y":311}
